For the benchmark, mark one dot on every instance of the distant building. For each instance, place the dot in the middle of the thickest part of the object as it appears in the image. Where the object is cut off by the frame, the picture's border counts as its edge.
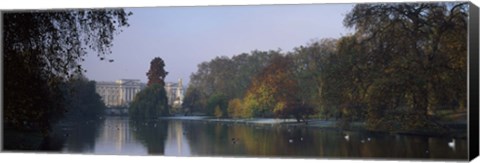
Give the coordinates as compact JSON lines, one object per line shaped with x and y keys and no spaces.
{"x":175,"y":93}
{"x":122,"y":92}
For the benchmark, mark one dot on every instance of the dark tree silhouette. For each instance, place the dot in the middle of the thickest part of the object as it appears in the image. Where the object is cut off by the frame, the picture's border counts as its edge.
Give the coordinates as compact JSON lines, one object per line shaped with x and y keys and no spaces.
{"x":157,"y":73}
{"x":42,"y":49}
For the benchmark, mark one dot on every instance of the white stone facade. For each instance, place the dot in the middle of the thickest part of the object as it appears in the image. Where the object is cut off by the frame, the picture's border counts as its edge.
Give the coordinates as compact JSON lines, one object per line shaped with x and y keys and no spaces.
{"x":120,"y":92}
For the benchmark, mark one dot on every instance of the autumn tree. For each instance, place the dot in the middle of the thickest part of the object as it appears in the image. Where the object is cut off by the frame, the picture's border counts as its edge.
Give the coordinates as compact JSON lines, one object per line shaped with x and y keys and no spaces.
{"x":235,"y":109}
{"x":274,"y":92}
{"x":157,"y":72}
{"x":42,"y":49}
{"x":230,"y":77}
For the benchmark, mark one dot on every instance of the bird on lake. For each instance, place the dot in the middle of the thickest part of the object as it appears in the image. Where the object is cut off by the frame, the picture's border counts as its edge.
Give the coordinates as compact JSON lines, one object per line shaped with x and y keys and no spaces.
{"x":347,"y":137}
{"x":301,"y":138}
{"x":290,"y":140}
{"x":368,"y":139}
{"x":452,"y":144}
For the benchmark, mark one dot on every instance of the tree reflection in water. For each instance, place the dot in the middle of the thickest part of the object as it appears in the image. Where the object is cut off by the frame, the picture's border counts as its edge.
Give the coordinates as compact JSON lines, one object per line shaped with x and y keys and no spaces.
{"x":81,"y":136}
{"x":151,"y":133}
{"x":227,"y":139}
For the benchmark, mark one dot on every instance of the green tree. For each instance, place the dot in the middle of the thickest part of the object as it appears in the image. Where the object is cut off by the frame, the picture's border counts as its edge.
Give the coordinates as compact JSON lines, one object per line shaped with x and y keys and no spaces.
{"x":83,"y":102}
{"x":151,"y":102}
{"x":191,"y":102}
{"x":346,"y":76}
{"x":41,"y":50}
{"x":217,"y":101}
{"x":157,"y":72}
{"x":309,"y":65}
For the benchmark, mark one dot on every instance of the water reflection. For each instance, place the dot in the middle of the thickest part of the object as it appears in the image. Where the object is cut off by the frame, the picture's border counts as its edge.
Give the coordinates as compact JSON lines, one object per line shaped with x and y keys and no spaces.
{"x":176,"y":142}
{"x":151,"y":134}
{"x":119,"y":135}
{"x":81,"y":137}
{"x":116,"y":137}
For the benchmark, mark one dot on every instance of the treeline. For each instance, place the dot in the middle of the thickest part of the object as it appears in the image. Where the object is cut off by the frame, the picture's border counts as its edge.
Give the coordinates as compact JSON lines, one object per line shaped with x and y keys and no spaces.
{"x":403,"y":65}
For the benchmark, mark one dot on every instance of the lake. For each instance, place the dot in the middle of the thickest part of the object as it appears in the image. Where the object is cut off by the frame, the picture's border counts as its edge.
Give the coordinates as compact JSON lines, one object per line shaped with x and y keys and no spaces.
{"x":122,"y":136}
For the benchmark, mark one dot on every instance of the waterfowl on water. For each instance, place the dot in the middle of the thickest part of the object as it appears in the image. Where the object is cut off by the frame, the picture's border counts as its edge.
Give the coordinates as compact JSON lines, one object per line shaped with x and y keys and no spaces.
{"x":347,"y":137}
{"x":452,"y":144}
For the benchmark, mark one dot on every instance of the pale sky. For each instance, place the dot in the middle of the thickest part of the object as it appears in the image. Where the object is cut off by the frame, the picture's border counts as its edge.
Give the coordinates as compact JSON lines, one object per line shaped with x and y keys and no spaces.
{"x":186,"y":36}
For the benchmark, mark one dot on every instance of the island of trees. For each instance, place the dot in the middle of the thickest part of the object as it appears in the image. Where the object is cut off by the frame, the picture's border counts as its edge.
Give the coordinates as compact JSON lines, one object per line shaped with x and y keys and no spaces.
{"x":152,"y":101}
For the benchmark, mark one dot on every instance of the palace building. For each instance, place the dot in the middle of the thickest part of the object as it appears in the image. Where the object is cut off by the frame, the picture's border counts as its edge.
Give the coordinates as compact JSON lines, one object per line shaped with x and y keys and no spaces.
{"x":120,"y":92}
{"x":123,"y":91}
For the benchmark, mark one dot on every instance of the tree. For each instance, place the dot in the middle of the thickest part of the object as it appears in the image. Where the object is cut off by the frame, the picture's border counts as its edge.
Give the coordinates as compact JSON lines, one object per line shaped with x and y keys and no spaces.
{"x":192,"y":100}
{"x":157,"y":73}
{"x":228,"y":76}
{"x":217,"y":105}
{"x":235,"y":109}
{"x":417,"y":51}
{"x":151,"y":102}
{"x":274,"y":92}
{"x":41,"y":50}
{"x":346,"y":75}
{"x":83,"y":102}
{"x":309,"y":65}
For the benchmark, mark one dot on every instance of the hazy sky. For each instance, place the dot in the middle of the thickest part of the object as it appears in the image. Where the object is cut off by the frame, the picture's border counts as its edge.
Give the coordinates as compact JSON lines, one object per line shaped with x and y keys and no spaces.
{"x":186,"y":36}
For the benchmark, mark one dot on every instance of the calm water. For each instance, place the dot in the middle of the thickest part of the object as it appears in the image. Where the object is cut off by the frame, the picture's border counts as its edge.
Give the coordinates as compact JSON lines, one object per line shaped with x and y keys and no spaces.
{"x":119,"y":135}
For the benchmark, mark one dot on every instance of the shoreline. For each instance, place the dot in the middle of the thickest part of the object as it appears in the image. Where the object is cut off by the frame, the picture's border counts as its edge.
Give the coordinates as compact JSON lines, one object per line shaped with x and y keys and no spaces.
{"x":459,"y":128}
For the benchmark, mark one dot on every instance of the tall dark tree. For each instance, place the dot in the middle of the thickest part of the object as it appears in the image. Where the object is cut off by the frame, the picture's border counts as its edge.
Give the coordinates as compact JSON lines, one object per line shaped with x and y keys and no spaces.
{"x":151,"y":102}
{"x":59,"y":39}
{"x":41,"y":50}
{"x":157,"y":72}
